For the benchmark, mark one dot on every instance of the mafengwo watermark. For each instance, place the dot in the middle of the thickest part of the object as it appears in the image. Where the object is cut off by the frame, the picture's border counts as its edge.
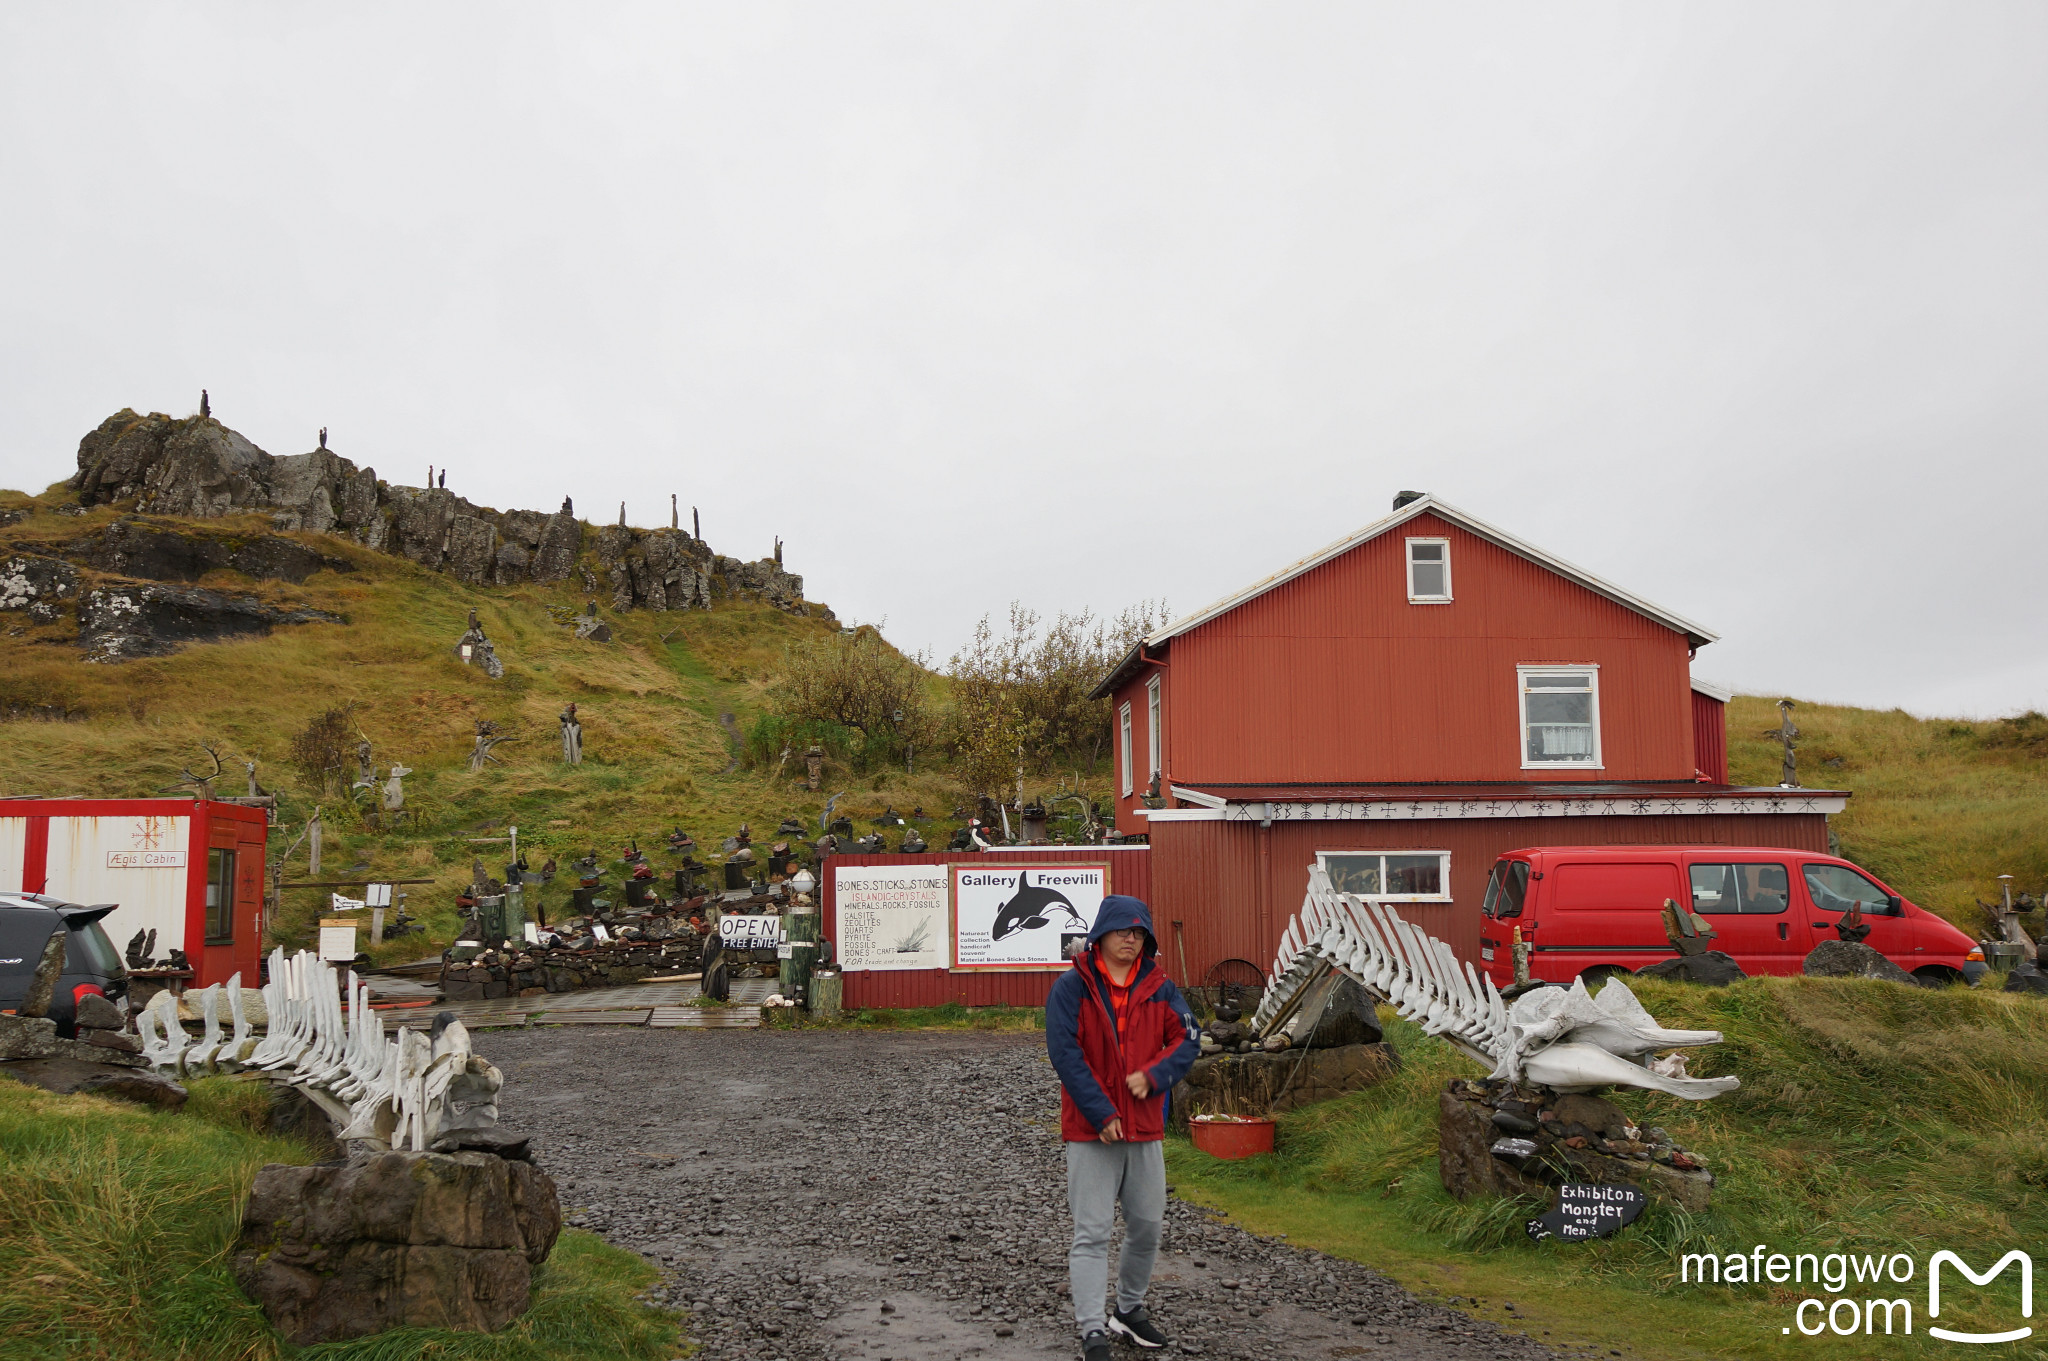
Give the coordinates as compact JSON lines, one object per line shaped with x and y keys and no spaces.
{"x":1869,"y":1294}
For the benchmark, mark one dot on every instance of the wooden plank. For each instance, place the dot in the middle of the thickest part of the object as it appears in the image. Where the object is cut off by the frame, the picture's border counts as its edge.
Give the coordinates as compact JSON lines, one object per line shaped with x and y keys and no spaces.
{"x":614,"y":1017}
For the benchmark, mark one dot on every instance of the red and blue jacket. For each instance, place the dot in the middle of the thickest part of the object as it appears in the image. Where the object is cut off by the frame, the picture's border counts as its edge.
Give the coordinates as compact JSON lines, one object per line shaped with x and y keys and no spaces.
{"x":1093,"y":1054}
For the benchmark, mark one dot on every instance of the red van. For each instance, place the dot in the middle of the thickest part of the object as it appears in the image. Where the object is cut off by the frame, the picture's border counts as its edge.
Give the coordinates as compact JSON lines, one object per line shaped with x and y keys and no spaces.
{"x":1597,"y":910}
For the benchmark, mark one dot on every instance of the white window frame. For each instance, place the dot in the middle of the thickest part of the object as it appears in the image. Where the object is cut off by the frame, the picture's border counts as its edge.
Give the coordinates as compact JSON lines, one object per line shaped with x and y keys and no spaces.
{"x":1155,"y":749}
{"x":1415,"y":599}
{"x":1591,"y":670}
{"x":1443,"y":871}
{"x":1123,"y":748}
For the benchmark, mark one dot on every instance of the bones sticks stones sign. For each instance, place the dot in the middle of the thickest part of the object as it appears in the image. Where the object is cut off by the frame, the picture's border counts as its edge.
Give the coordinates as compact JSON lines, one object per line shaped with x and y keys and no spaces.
{"x":1589,"y":1211}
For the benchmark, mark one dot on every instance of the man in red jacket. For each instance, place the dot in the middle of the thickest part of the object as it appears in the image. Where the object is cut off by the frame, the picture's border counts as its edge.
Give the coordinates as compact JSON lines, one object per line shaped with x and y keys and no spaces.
{"x":1120,"y":1037}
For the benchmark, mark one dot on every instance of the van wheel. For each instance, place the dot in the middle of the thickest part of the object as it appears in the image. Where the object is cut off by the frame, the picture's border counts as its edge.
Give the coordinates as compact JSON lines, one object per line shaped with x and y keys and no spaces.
{"x":1938,"y":976}
{"x":1600,"y":973}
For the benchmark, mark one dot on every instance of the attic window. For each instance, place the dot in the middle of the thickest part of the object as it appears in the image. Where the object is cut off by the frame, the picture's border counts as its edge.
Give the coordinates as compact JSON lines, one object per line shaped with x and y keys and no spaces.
{"x":1429,"y":571}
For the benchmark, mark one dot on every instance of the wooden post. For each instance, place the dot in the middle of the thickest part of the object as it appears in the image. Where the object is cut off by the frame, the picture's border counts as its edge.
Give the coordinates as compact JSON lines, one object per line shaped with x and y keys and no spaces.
{"x":827,"y":988}
{"x":1520,"y":948}
{"x":800,"y":930}
{"x":376,"y":926}
{"x":313,"y":846}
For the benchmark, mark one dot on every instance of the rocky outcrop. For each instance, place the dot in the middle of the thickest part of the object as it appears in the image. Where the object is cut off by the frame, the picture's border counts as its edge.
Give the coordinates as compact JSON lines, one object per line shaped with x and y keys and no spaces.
{"x":196,"y":467}
{"x":36,"y":585}
{"x":1852,"y":959}
{"x":116,"y":623}
{"x":134,"y":548}
{"x":395,"y":1240}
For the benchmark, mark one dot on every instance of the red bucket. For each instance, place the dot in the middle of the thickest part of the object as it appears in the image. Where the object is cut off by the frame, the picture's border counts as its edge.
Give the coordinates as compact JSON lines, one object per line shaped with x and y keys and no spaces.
{"x":1241,"y":1138}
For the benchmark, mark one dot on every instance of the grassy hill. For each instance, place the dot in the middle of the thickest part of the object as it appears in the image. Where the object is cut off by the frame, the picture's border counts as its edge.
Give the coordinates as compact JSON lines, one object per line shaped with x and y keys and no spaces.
{"x":1940,"y":807}
{"x":656,"y":751}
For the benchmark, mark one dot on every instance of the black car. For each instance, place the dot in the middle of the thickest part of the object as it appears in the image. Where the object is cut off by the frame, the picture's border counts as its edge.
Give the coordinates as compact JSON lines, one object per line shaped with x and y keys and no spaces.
{"x":91,"y":964}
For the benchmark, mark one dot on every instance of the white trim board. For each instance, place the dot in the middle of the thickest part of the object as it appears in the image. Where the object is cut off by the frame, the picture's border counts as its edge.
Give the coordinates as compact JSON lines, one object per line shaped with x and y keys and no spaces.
{"x":1430,"y":505}
{"x":1606,"y":806}
{"x":1712,"y":690}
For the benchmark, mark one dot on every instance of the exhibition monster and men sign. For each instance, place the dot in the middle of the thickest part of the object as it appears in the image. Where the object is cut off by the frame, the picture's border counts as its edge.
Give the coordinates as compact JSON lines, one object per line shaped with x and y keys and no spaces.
{"x":1022,"y":916}
{"x":890,"y":916}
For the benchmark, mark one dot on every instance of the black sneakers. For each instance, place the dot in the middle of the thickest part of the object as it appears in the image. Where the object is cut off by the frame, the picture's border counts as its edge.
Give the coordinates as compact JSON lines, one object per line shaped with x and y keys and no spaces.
{"x":1095,"y":1346}
{"x":1137,"y":1326}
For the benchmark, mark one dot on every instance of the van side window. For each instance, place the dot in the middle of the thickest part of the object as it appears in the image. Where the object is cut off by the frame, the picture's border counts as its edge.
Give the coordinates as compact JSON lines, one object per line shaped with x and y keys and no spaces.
{"x":1837,"y":888}
{"x":1723,"y":890}
{"x":1597,"y":886}
{"x":1505,"y":888}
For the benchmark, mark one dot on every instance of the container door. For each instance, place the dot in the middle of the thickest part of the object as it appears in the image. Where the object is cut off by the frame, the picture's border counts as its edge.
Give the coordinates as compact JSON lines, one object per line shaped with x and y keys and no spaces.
{"x":1749,"y":905}
{"x":1833,"y":889}
{"x":1603,"y":913}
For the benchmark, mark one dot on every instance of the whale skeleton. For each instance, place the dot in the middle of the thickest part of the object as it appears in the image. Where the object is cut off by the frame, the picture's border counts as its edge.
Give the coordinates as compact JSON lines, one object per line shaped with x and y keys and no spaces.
{"x":324,"y":1038}
{"x":1565,"y":1038}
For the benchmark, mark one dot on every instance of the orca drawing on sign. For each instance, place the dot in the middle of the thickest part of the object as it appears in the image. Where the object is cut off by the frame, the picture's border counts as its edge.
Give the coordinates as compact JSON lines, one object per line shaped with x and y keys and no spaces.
{"x":1030,"y":909}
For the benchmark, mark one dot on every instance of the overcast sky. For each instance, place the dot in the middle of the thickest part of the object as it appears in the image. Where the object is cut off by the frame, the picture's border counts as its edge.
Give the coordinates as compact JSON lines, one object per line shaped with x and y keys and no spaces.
{"x":1744,"y":307}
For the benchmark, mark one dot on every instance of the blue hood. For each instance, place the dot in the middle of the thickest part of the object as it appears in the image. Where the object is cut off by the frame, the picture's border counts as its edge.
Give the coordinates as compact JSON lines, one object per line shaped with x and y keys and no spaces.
{"x":1120,"y":912}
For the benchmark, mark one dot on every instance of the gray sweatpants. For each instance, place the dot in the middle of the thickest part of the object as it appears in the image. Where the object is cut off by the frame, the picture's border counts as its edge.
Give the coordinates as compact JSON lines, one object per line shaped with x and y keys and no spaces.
{"x":1099,"y":1175}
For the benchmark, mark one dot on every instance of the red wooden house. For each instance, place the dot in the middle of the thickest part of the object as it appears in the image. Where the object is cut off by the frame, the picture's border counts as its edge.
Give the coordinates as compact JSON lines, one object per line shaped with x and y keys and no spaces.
{"x":1404,"y":705}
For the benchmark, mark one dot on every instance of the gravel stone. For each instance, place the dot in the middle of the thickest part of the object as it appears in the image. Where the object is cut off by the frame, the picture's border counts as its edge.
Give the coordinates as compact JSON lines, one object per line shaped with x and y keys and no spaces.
{"x":854,"y":1196}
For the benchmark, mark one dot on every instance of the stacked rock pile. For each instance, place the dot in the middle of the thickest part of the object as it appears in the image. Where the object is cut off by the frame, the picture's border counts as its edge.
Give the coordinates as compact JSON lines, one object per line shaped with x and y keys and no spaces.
{"x":665,"y":938}
{"x":1501,"y":1138}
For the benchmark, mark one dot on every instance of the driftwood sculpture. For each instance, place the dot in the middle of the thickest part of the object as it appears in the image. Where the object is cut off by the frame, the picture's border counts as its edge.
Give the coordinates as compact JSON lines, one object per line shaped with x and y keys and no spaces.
{"x":200,"y":785}
{"x":1565,"y":1039}
{"x":324,"y":1038}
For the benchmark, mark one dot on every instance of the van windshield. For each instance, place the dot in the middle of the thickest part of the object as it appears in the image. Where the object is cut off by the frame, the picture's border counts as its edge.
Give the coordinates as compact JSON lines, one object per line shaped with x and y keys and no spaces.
{"x":1505,"y":888}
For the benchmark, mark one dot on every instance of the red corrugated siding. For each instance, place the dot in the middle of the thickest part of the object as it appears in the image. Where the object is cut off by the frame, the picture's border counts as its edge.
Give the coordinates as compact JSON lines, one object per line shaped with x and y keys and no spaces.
{"x":1710,"y":736}
{"x":1130,"y":871}
{"x":1334,"y":676}
{"x":1235,"y":884}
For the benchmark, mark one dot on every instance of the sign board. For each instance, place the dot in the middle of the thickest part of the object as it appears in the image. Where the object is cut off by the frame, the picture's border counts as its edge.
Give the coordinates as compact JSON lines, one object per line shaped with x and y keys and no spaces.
{"x":750,"y":933}
{"x":890,"y":916}
{"x":145,"y":860}
{"x":378,"y":895}
{"x":342,"y":904}
{"x":337,"y":940}
{"x":1019,"y":916}
{"x":1589,"y":1211}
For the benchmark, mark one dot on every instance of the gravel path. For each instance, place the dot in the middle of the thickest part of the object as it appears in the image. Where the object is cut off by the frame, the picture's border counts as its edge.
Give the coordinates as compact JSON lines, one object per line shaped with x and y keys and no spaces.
{"x":855,"y":1196}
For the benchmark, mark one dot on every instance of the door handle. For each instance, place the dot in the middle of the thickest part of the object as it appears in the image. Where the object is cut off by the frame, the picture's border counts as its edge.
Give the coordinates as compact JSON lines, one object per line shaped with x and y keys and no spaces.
{"x":1823,"y":924}
{"x":1784,"y":931}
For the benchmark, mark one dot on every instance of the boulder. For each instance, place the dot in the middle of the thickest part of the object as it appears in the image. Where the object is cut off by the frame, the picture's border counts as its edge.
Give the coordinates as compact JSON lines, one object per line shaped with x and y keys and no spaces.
{"x":1846,"y":959}
{"x":391,"y":1240}
{"x":97,"y":1013}
{"x":36,"y":586}
{"x":116,"y":623}
{"x":1711,"y":968}
{"x":2027,"y":977}
{"x":63,"y":1073}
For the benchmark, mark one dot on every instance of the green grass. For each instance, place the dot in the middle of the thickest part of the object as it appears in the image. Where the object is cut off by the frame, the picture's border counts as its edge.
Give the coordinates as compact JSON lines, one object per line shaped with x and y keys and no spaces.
{"x":1939,"y":808}
{"x":1872,"y":1118}
{"x":951,"y":1016}
{"x":118,"y":1224}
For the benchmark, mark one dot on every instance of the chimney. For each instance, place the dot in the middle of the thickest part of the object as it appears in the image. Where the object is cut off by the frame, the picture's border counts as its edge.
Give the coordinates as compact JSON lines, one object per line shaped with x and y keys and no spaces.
{"x":1403,"y":498}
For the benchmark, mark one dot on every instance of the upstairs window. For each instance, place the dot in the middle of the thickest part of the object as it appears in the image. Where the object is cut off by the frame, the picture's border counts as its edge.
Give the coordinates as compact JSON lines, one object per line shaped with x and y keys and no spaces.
{"x":1123,"y":747}
{"x":1560,"y":716}
{"x":1429,"y":571}
{"x":1152,"y":743}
